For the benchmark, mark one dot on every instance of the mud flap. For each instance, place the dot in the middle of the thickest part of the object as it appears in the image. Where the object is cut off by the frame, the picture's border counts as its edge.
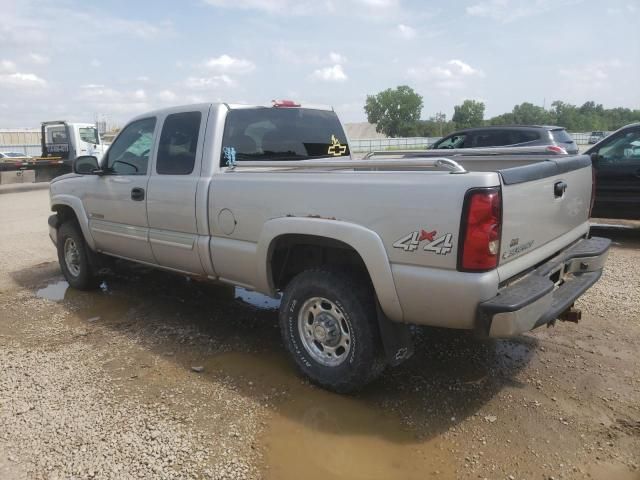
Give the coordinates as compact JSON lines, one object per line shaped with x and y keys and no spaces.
{"x":396,"y":339}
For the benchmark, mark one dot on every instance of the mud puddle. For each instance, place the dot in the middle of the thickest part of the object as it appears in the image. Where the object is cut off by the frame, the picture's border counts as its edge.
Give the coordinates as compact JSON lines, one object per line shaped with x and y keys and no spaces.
{"x":54,"y":291}
{"x":314,"y":434}
{"x":57,"y":290}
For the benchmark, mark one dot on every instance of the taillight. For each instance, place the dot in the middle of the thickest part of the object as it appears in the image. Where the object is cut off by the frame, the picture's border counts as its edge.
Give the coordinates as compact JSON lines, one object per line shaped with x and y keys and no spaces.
{"x":480,"y":230}
{"x":556,"y":149}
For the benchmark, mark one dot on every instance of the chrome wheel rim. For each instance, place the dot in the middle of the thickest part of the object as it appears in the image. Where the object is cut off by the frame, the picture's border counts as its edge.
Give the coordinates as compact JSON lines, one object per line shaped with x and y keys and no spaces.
{"x":72,"y":257}
{"x":324,"y":331}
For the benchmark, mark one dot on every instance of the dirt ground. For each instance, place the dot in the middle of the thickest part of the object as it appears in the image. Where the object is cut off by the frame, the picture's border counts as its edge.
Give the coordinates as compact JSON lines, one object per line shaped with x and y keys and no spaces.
{"x":157,"y":376}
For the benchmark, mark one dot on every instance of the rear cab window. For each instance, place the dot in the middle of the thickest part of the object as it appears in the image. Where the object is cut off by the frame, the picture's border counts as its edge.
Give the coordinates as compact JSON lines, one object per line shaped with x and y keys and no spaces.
{"x":264,"y":134}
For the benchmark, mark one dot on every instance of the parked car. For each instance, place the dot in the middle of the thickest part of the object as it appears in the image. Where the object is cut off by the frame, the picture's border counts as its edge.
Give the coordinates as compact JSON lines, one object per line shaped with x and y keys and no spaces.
{"x":595,"y":137}
{"x":269,"y":198}
{"x":509,"y":136}
{"x":13,"y":156}
{"x":616,"y":162}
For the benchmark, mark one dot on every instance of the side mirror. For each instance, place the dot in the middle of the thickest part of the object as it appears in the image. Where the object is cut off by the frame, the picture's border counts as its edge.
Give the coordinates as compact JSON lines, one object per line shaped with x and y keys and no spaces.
{"x":86,"y":165}
{"x":595,"y":159}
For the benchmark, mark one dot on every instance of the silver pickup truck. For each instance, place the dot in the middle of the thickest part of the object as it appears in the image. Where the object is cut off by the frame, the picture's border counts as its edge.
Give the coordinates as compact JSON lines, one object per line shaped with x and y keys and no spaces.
{"x":270,"y":199}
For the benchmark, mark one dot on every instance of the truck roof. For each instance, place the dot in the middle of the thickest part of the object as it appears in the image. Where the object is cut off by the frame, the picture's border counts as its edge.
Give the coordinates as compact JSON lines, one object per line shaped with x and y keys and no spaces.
{"x":231,"y":106}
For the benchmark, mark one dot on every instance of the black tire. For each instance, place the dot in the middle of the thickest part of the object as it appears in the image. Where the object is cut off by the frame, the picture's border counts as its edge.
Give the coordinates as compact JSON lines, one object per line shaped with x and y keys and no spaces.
{"x":354,"y":296}
{"x":85,"y":278}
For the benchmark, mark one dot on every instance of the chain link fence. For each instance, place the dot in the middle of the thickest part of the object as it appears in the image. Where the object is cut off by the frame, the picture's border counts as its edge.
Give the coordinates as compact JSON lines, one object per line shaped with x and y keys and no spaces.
{"x":364,"y":145}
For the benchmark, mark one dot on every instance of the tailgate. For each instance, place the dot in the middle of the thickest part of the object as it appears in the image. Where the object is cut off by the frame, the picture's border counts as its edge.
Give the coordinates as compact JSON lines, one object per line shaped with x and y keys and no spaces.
{"x":542,"y":202}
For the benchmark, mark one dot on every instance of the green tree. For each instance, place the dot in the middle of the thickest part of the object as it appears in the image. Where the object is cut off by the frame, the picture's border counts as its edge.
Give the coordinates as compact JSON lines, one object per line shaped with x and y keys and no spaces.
{"x":395,"y":112}
{"x":469,"y":114}
{"x":529,"y":114}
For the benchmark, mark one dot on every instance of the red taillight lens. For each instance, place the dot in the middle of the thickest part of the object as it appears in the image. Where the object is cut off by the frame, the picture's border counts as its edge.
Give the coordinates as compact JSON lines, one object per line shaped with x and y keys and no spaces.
{"x":556,"y":149}
{"x":481,"y":228}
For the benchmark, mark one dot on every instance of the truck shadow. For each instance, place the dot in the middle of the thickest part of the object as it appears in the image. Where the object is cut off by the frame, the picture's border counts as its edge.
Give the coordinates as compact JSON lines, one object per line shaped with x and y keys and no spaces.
{"x":234,"y":336}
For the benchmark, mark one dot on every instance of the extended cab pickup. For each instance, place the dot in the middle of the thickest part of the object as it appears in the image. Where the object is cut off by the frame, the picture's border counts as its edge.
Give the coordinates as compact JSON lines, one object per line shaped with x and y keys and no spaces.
{"x":269,"y":198}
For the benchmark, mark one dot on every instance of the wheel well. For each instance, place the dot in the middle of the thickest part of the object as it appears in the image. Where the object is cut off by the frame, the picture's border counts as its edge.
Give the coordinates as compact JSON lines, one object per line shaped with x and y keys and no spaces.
{"x":65,"y":213}
{"x":293,"y":253}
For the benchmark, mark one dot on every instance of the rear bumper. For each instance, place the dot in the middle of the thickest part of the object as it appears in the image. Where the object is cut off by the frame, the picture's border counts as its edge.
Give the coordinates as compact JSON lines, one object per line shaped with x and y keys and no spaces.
{"x":545,"y":293}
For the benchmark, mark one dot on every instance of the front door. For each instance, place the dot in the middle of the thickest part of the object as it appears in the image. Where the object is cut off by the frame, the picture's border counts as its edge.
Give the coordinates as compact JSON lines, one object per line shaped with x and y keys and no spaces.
{"x":116,"y":202}
{"x":618,"y":176}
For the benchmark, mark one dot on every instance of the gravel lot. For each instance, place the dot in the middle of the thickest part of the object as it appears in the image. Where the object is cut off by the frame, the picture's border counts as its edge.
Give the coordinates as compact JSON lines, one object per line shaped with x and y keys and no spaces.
{"x":156,"y":376}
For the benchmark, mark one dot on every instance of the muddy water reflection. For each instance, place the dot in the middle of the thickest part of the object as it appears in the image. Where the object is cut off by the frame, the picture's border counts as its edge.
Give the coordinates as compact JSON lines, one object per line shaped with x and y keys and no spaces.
{"x":314,"y":434}
{"x":54,"y":291}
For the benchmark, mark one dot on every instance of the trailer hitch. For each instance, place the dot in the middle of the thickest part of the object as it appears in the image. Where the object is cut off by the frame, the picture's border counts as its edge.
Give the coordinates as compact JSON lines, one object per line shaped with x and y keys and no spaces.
{"x":571,"y":314}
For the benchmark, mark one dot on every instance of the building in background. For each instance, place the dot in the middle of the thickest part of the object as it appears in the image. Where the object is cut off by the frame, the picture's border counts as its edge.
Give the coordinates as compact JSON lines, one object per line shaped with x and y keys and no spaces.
{"x":362,"y":130}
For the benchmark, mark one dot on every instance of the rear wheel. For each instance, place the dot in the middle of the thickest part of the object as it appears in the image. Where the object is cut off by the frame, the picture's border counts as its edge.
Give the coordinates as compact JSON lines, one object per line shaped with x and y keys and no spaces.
{"x":74,"y":257}
{"x":328,"y":323}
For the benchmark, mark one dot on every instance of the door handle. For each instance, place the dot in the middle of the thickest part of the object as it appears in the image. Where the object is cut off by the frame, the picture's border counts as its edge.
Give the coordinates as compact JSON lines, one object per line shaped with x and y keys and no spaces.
{"x":137,"y":194}
{"x":559,"y":188}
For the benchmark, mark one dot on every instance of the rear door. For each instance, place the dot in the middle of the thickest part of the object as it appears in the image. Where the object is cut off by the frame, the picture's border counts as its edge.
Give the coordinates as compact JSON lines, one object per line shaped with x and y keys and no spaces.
{"x":171,"y":200}
{"x":543,"y":202}
{"x":618,"y":175}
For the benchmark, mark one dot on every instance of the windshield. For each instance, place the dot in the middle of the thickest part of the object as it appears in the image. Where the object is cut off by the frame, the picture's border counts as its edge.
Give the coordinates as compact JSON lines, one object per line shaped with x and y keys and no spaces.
{"x":89,"y":135}
{"x":282,"y":134}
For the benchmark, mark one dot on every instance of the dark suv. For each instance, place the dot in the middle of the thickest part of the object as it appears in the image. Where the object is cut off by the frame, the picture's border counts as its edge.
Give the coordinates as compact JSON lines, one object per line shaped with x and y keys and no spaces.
{"x":616,"y":162}
{"x":509,"y":136}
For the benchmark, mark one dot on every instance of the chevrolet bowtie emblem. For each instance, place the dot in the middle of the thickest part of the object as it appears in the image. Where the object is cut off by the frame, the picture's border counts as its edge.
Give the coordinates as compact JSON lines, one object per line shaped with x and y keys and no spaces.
{"x":336,"y":149}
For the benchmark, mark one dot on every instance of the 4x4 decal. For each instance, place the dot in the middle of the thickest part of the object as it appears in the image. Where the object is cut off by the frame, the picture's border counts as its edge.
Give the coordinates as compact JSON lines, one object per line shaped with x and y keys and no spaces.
{"x":440,"y":246}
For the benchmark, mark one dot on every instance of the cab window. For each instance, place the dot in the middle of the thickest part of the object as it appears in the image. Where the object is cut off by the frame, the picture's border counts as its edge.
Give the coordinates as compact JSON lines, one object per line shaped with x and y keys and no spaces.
{"x":454,"y":141}
{"x":129,"y":154}
{"x":625,"y":147}
{"x":89,"y":135}
{"x":178,"y":144}
{"x":255,"y":134}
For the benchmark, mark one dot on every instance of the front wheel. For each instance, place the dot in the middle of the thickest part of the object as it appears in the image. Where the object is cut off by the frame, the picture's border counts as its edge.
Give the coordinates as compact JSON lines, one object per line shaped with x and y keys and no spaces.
{"x":73,"y":256}
{"x":328,"y":324}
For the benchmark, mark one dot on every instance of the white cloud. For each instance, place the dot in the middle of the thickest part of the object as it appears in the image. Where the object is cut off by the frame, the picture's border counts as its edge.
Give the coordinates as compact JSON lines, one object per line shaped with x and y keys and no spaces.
{"x":38,"y":59}
{"x":335,"y":57}
{"x":309,"y":7}
{"x":227,"y":64}
{"x":7,"y":66}
{"x":95,"y":63}
{"x":143,"y":78}
{"x":140,"y":94}
{"x":330,"y":74}
{"x":209,"y":82}
{"x":167,"y":96}
{"x":510,"y":10}
{"x":591,"y":76}
{"x":22,"y":80}
{"x":406,"y":32}
{"x":92,"y":85}
{"x":450,"y":75}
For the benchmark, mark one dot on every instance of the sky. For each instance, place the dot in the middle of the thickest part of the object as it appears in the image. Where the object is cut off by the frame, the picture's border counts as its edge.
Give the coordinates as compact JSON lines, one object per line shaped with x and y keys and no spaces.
{"x":79,"y":61}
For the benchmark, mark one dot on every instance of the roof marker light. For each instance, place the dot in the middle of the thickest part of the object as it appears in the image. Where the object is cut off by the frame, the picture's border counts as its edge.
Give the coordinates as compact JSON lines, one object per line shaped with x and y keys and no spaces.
{"x":284,"y":104}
